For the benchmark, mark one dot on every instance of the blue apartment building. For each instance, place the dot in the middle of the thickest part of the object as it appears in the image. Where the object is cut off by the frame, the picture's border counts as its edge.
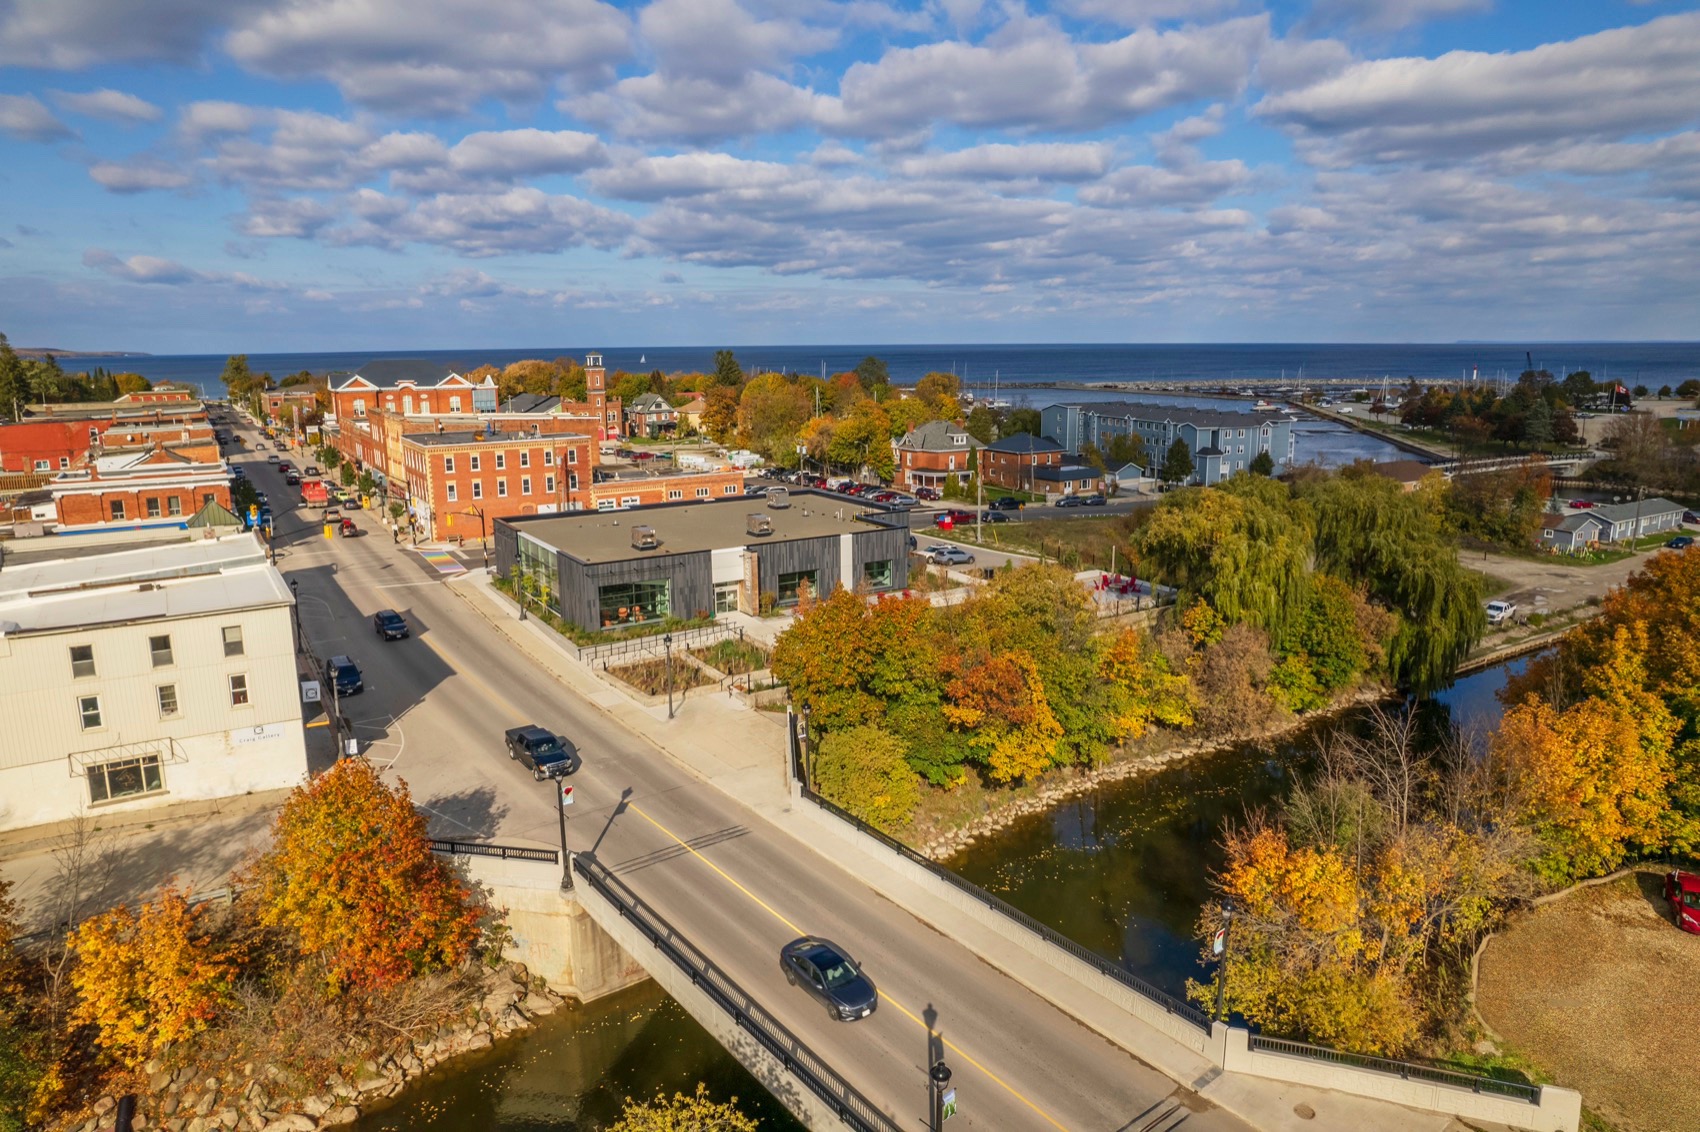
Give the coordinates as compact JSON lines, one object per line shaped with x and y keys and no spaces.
{"x":1221,"y":443}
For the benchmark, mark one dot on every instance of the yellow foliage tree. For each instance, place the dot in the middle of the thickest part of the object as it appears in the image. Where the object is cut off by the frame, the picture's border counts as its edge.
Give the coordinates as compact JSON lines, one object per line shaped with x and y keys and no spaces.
{"x":146,"y":980}
{"x":1147,"y":691}
{"x":695,"y":1113}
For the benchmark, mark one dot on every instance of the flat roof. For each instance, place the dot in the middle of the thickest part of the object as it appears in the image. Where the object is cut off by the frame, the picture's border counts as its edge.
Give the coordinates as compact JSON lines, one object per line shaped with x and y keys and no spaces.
{"x":187,"y":578}
{"x":684,"y":528}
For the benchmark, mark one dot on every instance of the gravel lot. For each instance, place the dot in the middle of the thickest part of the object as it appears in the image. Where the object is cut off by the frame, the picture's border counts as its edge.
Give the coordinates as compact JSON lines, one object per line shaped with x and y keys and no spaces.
{"x":1597,"y":989}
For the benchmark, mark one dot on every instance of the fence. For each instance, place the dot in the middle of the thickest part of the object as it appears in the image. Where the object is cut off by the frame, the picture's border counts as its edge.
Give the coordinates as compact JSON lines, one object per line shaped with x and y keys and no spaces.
{"x":490,"y":849}
{"x":809,"y":1068}
{"x":1406,"y":1070}
{"x":615,"y":653}
{"x":1168,"y":1002}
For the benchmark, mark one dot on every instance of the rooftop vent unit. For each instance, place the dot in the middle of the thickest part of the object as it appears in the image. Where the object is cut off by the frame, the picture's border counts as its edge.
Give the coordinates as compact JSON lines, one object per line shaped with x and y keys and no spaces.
{"x":758,"y":524}
{"x":778,"y":498}
{"x":644,"y":538}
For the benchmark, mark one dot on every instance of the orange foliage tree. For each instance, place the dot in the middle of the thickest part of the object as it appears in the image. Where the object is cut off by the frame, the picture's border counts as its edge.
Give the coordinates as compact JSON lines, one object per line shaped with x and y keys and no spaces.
{"x":146,"y":980}
{"x":1000,"y":702}
{"x":351,"y":877}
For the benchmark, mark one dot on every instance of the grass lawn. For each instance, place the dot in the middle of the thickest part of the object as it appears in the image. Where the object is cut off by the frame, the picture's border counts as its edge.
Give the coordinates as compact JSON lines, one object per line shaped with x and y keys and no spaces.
{"x":1080,"y":544}
{"x":732,"y":656}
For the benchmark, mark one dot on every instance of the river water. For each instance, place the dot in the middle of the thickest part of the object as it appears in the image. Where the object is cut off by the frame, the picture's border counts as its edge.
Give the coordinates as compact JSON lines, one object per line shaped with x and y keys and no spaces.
{"x":1122,"y":870}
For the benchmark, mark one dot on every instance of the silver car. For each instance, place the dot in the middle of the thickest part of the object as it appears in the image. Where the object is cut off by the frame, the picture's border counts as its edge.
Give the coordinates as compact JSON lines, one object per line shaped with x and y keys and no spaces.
{"x":949,"y":556}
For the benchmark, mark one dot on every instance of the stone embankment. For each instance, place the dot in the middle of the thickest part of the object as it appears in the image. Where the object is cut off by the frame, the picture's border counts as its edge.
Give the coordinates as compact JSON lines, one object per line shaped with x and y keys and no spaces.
{"x":263,"y":1098}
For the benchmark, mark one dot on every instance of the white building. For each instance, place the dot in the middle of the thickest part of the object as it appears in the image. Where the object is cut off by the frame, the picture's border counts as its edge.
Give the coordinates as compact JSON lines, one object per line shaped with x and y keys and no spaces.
{"x":144,"y":677}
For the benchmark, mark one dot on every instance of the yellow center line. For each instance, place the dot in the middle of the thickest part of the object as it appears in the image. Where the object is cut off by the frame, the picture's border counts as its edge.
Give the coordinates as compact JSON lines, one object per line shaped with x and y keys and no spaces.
{"x":905,"y":1011}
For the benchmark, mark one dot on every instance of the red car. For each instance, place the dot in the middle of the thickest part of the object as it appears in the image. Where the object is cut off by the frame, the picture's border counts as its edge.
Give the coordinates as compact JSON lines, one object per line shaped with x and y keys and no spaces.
{"x":926,"y":493}
{"x":1683,"y":891}
{"x":953,"y":516}
{"x":1582,"y":504}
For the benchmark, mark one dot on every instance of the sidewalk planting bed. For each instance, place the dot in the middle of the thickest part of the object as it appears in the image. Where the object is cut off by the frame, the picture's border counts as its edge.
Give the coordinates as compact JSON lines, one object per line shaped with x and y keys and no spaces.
{"x":650,"y":676}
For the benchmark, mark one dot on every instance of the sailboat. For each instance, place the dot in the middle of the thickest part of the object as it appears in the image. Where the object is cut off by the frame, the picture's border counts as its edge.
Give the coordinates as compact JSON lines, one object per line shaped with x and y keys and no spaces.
{"x":642,"y":359}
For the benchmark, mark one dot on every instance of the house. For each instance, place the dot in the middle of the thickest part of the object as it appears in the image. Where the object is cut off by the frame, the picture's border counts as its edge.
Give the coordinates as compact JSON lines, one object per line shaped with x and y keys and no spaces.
{"x":1612,"y":522}
{"x":690,"y":413}
{"x":144,"y":676}
{"x":408,"y":386}
{"x":694,"y":559}
{"x":1012,"y":461}
{"x":1221,"y":443}
{"x":650,"y":415}
{"x":1406,"y":473}
{"x":1068,"y":478}
{"x":934,"y":454}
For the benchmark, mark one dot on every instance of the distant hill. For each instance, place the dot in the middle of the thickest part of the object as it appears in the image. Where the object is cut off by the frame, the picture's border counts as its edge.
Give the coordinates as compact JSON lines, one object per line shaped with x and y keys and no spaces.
{"x":43,"y":351}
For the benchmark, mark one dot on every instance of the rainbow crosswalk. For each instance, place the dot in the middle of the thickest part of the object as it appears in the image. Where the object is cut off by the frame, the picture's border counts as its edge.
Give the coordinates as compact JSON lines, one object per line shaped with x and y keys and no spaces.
{"x":443,"y":561}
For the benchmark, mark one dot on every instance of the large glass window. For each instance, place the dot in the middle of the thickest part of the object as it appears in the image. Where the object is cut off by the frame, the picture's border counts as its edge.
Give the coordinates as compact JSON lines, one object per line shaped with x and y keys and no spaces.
{"x":124,"y":778}
{"x":634,"y":603}
{"x":537,"y":565}
{"x":791,"y":586}
{"x":726,"y":597}
{"x":877,"y":574}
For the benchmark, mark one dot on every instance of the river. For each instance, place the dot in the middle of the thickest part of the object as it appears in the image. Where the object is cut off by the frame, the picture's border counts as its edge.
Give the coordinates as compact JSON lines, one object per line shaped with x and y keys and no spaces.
{"x":1122,"y":870}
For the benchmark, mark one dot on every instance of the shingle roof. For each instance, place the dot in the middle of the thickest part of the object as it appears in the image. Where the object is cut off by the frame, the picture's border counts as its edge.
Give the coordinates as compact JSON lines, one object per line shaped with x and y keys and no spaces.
{"x":649,"y":403}
{"x":530,"y":403}
{"x":393,"y":371}
{"x":1180,"y":414}
{"x":1069,"y":473}
{"x":1626,"y":512}
{"x":1024,"y":444}
{"x":937,"y":436}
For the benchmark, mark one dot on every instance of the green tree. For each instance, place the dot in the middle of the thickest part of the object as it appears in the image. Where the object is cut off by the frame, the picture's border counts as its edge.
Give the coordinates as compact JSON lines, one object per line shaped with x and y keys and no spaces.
{"x":237,"y":377}
{"x":366,"y":483}
{"x":1640,"y":391}
{"x":1263,"y":464}
{"x":695,"y":1113}
{"x":872,"y":371}
{"x":13,"y":389}
{"x":1021,"y":420}
{"x":727,"y":371}
{"x":770,"y":411}
{"x":866,"y":770}
{"x":1578,"y":388}
{"x":982,"y":424}
{"x":1689,"y":388}
{"x":1177,"y":463}
{"x":131,"y":383}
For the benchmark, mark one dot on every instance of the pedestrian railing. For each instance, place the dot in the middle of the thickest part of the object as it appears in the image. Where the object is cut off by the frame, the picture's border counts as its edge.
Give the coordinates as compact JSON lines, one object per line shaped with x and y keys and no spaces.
{"x":491,"y":849}
{"x":615,"y":653}
{"x":1106,"y":967}
{"x":808,"y":1067}
{"x":1434,"y":1074}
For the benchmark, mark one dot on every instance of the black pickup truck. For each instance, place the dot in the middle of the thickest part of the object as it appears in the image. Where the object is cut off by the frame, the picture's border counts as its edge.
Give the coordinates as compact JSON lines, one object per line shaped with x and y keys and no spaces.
{"x":545,"y":753}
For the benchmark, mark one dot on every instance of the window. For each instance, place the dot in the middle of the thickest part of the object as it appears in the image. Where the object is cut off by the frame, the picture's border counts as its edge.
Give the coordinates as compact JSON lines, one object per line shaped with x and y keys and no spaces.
{"x":160,"y":647}
{"x":572,"y":481}
{"x":675,"y":493}
{"x":232,"y":640}
{"x":606,"y":505}
{"x":117,"y":508}
{"x":449,"y":465}
{"x":572,"y":455}
{"x":152,"y":503}
{"x":454,"y":404}
{"x":89,"y":708}
{"x":167,"y":700}
{"x":502,"y":488}
{"x":64,"y":462}
{"x":791,"y":586}
{"x":730,"y":489}
{"x":525,"y":457}
{"x":478,"y":489}
{"x":501,"y":462}
{"x":206,"y":498}
{"x":630,"y":501}
{"x":453,"y":494}
{"x":82,"y":661}
{"x":549,"y":457}
{"x":525,"y":485}
{"x":549,"y":485}
{"x":125,"y":778}
{"x":42,"y":466}
{"x":877,"y":574}
{"x":634,"y":603}
{"x":174,"y":505}
{"x":238,"y":690}
{"x":702,"y":493}
{"x":474,"y":462}
{"x":360,"y":406}
{"x":726,"y":597}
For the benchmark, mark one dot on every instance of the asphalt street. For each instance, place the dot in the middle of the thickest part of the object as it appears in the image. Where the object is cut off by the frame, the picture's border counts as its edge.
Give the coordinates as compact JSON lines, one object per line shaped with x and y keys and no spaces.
{"x":433,"y":713}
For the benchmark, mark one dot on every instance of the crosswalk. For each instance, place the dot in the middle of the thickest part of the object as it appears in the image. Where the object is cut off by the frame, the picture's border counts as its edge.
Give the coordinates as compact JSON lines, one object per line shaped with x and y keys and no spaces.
{"x":445,"y":562}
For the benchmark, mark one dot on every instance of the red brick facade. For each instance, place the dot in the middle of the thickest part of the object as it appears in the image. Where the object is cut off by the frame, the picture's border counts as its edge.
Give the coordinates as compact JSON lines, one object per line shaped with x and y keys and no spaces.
{"x":165,"y":488}
{"x":1013,"y":471}
{"x":682,"y":488}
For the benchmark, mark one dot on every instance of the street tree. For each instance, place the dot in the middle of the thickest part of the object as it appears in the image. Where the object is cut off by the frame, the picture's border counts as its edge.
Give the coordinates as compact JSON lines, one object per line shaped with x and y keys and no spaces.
{"x":13,"y":390}
{"x":1177,"y":463}
{"x":872,"y":371}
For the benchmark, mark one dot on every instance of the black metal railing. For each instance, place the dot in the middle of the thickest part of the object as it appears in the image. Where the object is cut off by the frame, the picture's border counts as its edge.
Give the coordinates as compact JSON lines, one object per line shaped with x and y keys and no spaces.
{"x":1409,"y":1070}
{"x":808,"y":1067}
{"x":610,"y":654}
{"x":491,"y":849}
{"x":1168,"y":1002}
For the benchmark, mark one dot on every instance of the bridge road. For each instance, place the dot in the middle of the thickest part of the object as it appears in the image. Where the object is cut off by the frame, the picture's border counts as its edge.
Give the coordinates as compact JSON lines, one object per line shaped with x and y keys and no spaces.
{"x":736,"y":886}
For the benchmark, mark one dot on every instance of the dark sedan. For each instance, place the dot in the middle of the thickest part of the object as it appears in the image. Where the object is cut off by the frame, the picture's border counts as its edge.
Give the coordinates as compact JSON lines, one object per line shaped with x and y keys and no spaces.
{"x":994,"y":516}
{"x":825,"y":971}
{"x":1096,"y":499}
{"x":389,"y":624}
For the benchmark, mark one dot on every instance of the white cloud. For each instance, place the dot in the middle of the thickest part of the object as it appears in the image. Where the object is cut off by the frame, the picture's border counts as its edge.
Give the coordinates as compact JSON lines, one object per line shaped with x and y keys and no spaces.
{"x":685,"y":175}
{"x":436,"y":57}
{"x":1139,"y":13}
{"x":72,"y":34}
{"x":139,"y":176}
{"x":1194,"y":184}
{"x":214,"y":118}
{"x":660,"y":107}
{"x":484,"y":224}
{"x":23,"y":116}
{"x":1391,"y":15}
{"x":721,"y":41}
{"x":1040,"y":161}
{"x":1467,"y":104}
{"x":141,"y":268}
{"x":112,"y":105}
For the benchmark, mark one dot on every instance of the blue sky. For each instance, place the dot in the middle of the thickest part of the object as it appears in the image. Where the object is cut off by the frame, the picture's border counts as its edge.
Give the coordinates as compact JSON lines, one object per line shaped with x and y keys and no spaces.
{"x":185,"y":176}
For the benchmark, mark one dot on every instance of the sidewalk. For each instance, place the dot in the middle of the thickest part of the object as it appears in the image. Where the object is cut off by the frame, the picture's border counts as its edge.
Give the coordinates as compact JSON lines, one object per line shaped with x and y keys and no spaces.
{"x":742,"y":752}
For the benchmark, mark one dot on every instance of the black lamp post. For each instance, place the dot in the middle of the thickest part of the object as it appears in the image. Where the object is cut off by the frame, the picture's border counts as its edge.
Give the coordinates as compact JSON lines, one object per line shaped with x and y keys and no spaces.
{"x":295,"y":614}
{"x":561,"y":789}
{"x":807,"y":738}
{"x":1222,"y":965}
{"x":939,"y":1078}
{"x":667,"y":642}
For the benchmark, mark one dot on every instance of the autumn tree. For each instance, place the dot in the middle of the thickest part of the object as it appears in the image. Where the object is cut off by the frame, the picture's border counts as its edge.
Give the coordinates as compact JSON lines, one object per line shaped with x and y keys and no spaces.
{"x":866,"y":770}
{"x":999,"y":703}
{"x":1146,"y":690}
{"x":351,"y":878}
{"x":529,"y":375}
{"x":941,"y":392}
{"x":770,"y":411}
{"x":131,"y":383}
{"x":147,"y":980}
{"x":863,"y":439}
{"x":720,"y":414}
{"x":694,"y":1113}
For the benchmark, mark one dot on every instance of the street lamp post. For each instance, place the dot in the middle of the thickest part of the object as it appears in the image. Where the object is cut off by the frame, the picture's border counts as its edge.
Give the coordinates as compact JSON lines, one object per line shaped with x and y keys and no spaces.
{"x":561,"y":793}
{"x":939,"y":1079}
{"x":807,"y":737}
{"x":483,"y":537}
{"x":1222,"y":964}
{"x":295,"y":614}
{"x":667,"y":642}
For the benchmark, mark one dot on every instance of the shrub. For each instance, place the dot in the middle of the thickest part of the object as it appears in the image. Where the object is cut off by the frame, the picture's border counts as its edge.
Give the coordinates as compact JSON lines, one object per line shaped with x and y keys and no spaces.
{"x":865,"y":770}
{"x":683,"y":1113}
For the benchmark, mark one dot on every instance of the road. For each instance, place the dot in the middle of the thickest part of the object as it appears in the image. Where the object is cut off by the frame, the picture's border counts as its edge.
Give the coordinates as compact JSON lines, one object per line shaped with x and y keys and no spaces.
{"x":433,"y":713}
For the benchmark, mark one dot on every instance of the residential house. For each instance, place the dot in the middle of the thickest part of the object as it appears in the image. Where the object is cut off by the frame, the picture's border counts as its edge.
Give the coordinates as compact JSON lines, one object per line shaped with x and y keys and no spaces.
{"x":1068,"y":478}
{"x":933,"y":455}
{"x":1013,"y":461}
{"x":690,"y":413}
{"x":650,"y":415}
{"x":1612,"y":522}
{"x":1221,"y":443}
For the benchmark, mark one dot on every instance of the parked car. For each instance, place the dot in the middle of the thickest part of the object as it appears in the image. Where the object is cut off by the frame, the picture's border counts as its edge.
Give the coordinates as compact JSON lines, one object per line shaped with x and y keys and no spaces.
{"x":1683,"y":891}
{"x":343,"y":675}
{"x":347,"y":529}
{"x":927,"y":493}
{"x":238,"y":471}
{"x":390,"y":625}
{"x":541,"y":751}
{"x":1681,"y":542}
{"x":824,"y":970}
{"x":1067,"y":501}
{"x":285,"y":466}
{"x":271,"y":458}
{"x":260,"y":496}
{"x":949,"y":556}
{"x":1096,"y":499}
{"x":311,"y":471}
{"x":1500,"y":611}
{"x":259,"y":446}
{"x":1583,"y":504}
{"x":886,"y":497}
{"x":953,"y":516}
{"x":1007,"y":503}
{"x":1691,"y":518}
{"x":994,"y":516}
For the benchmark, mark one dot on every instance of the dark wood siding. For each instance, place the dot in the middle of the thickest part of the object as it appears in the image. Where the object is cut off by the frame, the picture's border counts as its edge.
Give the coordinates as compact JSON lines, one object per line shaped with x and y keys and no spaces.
{"x":794,"y":555}
{"x":691,"y":576}
{"x":877,"y":543}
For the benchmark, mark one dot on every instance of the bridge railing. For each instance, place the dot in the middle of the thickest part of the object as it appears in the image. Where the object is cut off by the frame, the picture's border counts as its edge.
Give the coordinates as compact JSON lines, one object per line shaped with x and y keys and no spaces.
{"x":1408,"y":1070}
{"x":491,"y":849}
{"x":855,"y":1110}
{"x":1183,"y":1010}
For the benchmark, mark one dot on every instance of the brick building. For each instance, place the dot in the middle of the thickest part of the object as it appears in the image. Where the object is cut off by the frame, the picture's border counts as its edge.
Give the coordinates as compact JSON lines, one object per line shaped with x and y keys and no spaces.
{"x":933,"y":454}
{"x":649,"y":414}
{"x":281,"y":404}
{"x":156,"y":487}
{"x":55,"y":445}
{"x":164,"y":395}
{"x":612,"y":491}
{"x":1013,"y":462}
{"x":413,"y":387}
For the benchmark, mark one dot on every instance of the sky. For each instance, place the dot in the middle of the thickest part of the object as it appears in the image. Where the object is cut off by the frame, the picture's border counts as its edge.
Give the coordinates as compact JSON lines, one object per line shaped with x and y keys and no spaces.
{"x":208,"y":176}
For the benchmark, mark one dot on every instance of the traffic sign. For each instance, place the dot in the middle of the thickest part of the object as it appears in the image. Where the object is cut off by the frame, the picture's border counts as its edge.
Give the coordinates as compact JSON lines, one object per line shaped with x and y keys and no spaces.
{"x":950,"y":1104}
{"x":566,"y":794}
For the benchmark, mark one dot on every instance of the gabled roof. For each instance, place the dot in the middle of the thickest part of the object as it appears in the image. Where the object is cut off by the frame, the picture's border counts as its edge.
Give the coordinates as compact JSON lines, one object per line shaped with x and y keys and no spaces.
{"x":1576,"y":522}
{"x":937,"y":436}
{"x":383,"y":372}
{"x":649,"y":403}
{"x":1067,"y":473}
{"x":529,"y":403}
{"x":1024,"y":444}
{"x":1627,"y":512}
{"x":213,"y":514}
